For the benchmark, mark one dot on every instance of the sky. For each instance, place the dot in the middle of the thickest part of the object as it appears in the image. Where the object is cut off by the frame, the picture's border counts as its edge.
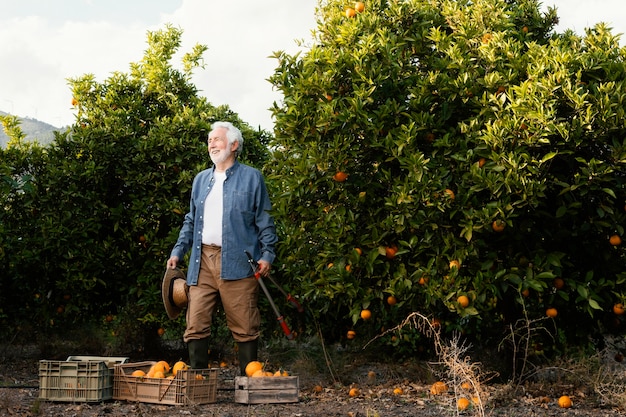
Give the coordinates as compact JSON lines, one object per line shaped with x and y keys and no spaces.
{"x":44,"y":43}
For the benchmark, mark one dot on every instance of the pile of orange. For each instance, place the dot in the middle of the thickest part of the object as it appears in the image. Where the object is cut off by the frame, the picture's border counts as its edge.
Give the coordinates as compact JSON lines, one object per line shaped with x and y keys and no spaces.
{"x":256,"y":369}
{"x":161,"y":369}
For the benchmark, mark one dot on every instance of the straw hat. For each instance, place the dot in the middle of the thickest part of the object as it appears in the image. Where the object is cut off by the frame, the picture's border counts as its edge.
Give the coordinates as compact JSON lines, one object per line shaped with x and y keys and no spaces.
{"x":174,"y":291}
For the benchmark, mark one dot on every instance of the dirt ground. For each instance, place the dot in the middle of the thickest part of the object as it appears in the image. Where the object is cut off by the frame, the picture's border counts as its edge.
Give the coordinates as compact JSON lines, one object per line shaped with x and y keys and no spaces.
{"x":19,"y":396}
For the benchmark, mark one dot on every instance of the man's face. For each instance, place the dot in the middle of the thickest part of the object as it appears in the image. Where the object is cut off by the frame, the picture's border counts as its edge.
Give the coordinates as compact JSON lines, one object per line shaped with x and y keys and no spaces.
{"x":219,"y":149}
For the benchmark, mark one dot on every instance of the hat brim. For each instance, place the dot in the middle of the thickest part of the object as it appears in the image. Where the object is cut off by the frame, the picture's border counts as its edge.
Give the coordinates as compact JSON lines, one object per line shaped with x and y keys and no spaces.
{"x":167,"y":288}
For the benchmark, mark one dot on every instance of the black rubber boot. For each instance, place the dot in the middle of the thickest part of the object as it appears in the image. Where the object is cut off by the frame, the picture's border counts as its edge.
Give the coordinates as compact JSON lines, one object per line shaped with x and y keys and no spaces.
{"x":247,"y":353}
{"x":198,"y":353}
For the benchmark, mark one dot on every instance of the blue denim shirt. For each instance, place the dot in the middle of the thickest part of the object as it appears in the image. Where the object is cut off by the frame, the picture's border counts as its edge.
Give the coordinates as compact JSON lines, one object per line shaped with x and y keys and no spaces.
{"x":247,"y":224}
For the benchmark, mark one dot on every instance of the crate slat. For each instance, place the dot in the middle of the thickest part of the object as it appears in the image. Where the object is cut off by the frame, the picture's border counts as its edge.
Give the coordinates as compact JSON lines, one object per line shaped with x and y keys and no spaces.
{"x":266,"y":390}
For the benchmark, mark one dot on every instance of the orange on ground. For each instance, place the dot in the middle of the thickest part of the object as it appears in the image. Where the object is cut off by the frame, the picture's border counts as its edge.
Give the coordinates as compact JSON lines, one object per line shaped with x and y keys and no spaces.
{"x":359,"y":6}
{"x":354,"y":392}
{"x":318,"y":388}
{"x":138,"y":373}
{"x":463,"y":301}
{"x":340,"y":176}
{"x":252,"y":367}
{"x":615,"y":240}
{"x":392,"y":300}
{"x":551,"y":312}
{"x":398,"y":391}
{"x":618,"y":309}
{"x":462,"y":403}
{"x":351,"y":334}
{"x":565,"y":402}
{"x":366,"y":314}
{"x":438,"y":388}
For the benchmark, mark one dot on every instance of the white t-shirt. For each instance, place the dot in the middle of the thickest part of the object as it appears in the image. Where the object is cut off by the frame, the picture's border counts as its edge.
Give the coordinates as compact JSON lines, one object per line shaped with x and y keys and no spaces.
{"x":213,"y":212}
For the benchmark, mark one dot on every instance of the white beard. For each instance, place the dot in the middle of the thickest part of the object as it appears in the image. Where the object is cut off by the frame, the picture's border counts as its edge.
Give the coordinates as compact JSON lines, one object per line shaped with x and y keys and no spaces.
{"x":221,"y":156}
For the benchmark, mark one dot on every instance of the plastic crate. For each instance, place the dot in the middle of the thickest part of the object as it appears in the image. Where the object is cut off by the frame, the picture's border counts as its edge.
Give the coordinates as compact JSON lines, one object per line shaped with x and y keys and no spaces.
{"x":266,"y":390}
{"x":192,"y":386}
{"x":78,"y":379}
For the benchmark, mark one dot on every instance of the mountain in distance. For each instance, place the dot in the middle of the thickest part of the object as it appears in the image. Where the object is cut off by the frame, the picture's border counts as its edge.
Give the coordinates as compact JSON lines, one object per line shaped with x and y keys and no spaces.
{"x":35,"y":131}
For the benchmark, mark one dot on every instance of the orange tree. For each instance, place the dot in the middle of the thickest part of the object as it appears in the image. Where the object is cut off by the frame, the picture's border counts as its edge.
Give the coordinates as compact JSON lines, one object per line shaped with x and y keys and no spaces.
{"x":465,"y":149}
{"x":89,"y":238}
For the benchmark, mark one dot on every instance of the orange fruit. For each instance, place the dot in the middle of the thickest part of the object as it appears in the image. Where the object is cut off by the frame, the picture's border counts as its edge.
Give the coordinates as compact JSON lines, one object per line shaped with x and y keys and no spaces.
{"x":358,"y":250}
{"x":281,"y":373}
{"x":423,"y":280}
{"x":525,"y":292}
{"x":481,"y":162}
{"x":498,"y":226}
{"x":551,"y":312}
{"x":351,"y":334}
{"x":354,"y":392}
{"x":223,"y":364}
{"x":108,"y":318}
{"x":466,"y":385}
{"x":455,"y":264}
{"x":463,"y":301}
{"x":558,"y":283}
{"x":350,"y":12}
{"x":348,"y":268}
{"x":398,"y":391}
{"x":359,"y":6}
{"x":161,"y":331}
{"x":618,"y":309}
{"x":462,"y":403}
{"x":318,"y":388}
{"x":366,"y":314}
{"x":138,"y":373}
{"x":390,"y":252}
{"x":159,"y":374}
{"x":438,"y":388}
{"x":179,"y":366}
{"x":74,"y":101}
{"x":565,"y":402}
{"x":615,"y":240}
{"x":450,"y":193}
{"x":391,"y":300}
{"x":199,"y":377}
{"x":258,"y":373}
{"x":166,"y":366}
{"x":486,"y":38}
{"x":340,"y":176}
{"x":253,"y":367}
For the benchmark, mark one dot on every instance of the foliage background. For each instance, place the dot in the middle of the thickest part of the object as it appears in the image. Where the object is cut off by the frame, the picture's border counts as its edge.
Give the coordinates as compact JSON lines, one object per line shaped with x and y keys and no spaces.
{"x":445,"y":118}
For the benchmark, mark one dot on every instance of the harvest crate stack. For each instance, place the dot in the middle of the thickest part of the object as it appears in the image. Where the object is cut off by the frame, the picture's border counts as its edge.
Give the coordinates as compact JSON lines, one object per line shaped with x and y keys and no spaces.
{"x":78,"y":379}
{"x":189,"y":386}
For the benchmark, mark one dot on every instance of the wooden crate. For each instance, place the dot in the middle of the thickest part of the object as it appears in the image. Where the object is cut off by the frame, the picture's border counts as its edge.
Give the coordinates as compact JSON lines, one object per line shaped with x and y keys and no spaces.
{"x":78,"y":379}
{"x":193,"y":386}
{"x":266,"y":390}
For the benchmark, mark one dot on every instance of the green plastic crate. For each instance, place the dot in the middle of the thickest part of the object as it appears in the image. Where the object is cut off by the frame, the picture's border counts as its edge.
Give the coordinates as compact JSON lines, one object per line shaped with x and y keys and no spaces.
{"x":78,"y":379}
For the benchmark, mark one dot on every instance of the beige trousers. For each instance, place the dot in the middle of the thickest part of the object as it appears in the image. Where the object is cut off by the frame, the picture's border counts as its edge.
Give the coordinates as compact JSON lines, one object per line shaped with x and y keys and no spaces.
{"x":239,"y":299}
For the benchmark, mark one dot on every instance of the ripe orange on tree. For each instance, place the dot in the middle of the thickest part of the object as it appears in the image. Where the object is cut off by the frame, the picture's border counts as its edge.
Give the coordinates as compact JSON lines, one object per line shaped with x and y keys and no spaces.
{"x":558,"y":283}
{"x":463,"y":301}
{"x":498,"y":226}
{"x":160,"y":331}
{"x":455,"y":264}
{"x":551,"y":312}
{"x":350,"y":12}
{"x":618,"y":309}
{"x":615,"y":240}
{"x":340,"y":176}
{"x":450,"y":193}
{"x":481,"y":162}
{"x":390,"y":252}
{"x":359,"y":6}
{"x":351,"y":334}
{"x":359,"y":251}
{"x":392,"y":300}
{"x":366,"y":314}
{"x":423,"y":280}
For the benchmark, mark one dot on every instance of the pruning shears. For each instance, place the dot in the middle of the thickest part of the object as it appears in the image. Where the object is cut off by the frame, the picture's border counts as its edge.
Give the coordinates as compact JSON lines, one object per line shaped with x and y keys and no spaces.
{"x":281,"y":320}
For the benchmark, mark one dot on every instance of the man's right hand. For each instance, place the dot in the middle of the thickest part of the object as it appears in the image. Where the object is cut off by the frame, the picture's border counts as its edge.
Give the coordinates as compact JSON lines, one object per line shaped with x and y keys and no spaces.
{"x":172,"y":262}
